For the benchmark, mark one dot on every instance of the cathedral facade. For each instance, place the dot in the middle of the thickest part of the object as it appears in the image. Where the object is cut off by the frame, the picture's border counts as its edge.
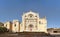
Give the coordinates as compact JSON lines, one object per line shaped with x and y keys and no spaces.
{"x":31,"y":22}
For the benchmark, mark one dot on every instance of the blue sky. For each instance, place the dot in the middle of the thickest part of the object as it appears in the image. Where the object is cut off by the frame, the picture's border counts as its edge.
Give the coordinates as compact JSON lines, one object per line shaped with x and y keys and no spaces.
{"x":13,"y":9}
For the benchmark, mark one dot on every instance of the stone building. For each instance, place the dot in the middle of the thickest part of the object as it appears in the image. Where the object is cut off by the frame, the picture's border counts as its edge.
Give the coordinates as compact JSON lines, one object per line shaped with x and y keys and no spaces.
{"x":16,"y":26}
{"x":54,"y":31}
{"x":8,"y":25}
{"x":31,"y":22}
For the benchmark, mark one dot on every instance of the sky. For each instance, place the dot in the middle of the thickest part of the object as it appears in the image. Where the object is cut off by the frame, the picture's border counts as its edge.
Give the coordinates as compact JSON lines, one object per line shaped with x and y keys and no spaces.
{"x":13,"y":9}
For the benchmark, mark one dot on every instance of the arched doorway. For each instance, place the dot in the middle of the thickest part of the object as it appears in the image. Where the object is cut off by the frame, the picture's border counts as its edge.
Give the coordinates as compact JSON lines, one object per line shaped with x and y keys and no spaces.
{"x":30,"y":27}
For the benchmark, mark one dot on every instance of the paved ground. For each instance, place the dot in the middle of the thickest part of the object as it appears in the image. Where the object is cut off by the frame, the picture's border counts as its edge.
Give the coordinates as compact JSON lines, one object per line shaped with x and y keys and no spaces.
{"x":26,"y":35}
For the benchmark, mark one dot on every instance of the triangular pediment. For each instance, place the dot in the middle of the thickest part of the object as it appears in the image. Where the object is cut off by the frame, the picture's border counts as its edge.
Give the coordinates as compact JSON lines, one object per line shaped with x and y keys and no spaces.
{"x":30,"y":12}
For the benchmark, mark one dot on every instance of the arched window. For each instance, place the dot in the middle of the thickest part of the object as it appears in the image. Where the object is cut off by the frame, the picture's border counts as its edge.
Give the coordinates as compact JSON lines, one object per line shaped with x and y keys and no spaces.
{"x":15,"y":25}
{"x":35,"y":16}
{"x":39,"y":22}
{"x":6,"y":25}
{"x":30,"y":26}
{"x":25,"y":15}
{"x":30,"y":15}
